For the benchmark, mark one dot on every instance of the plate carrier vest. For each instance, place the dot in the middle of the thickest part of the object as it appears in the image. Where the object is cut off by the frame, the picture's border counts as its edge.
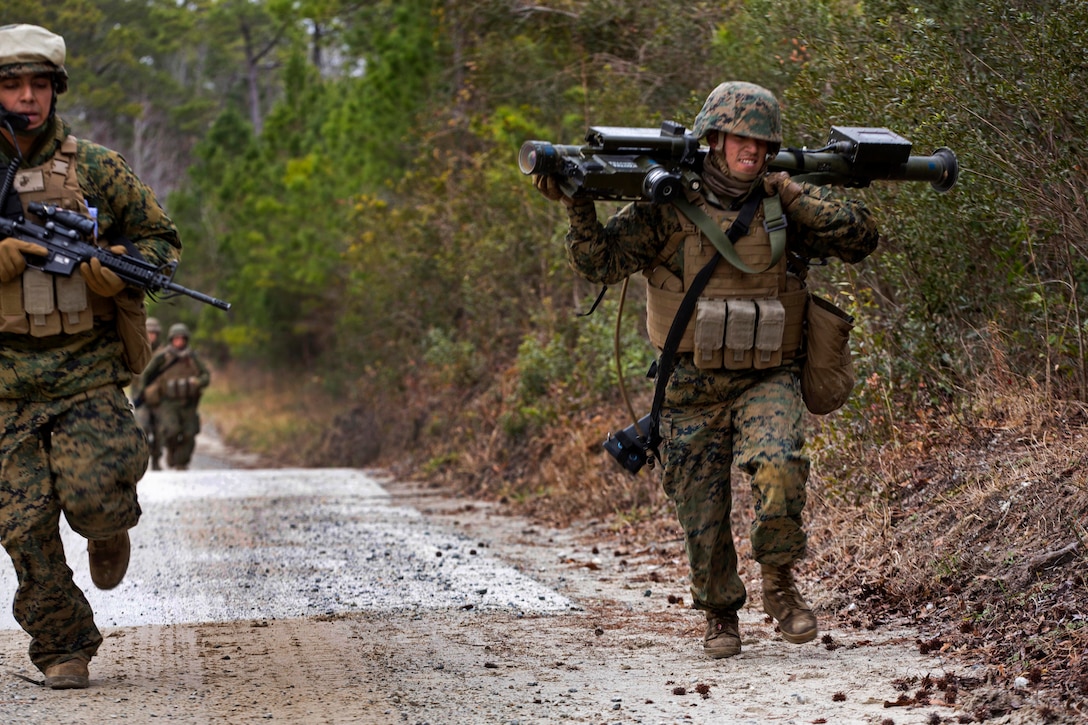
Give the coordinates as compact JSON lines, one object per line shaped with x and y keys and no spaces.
{"x":741,"y":320}
{"x":41,"y":304}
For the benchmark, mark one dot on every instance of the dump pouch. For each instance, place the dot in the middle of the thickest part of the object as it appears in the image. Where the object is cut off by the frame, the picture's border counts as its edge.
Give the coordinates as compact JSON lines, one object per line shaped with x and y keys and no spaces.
{"x":131,"y":324}
{"x":827,"y":377}
{"x":153,"y":393}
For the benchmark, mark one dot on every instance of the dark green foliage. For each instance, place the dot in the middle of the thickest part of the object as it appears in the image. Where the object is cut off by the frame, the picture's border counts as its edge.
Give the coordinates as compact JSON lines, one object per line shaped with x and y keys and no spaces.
{"x":354,"y":190}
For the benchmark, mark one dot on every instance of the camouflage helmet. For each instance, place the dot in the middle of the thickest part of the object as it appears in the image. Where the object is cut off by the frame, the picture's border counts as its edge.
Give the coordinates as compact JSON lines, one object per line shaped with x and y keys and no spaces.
{"x":27,"y":49}
{"x":153,"y":325}
{"x":178,"y":329}
{"x":744,"y":109}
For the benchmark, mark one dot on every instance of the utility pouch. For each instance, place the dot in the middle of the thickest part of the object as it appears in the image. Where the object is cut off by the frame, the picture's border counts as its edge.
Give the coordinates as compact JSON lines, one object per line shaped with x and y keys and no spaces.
{"x":740,"y":333}
{"x":153,"y":393}
{"x":710,"y":318}
{"x":182,"y":389}
{"x":192,"y":389}
{"x":72,"y":302}
{"x":827,"y":377}
{"x":175,"y":389}
{"x":39,"y":303}
{"x":131,"y":324}
{"x":770,"y":328}
{"x":12,"y":315}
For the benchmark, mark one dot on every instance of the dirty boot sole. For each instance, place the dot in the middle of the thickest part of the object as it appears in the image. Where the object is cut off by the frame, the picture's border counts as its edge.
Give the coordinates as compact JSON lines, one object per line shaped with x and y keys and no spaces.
{"x":108,"y":560}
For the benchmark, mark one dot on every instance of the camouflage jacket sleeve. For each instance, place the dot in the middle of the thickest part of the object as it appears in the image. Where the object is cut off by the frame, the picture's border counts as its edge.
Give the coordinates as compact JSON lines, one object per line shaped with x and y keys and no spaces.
{"x":629,"y":242}
{"x":153,"y":368}
{"x":824,"y":223}
{"x":204,"y":374}
{"x":126,"y":206}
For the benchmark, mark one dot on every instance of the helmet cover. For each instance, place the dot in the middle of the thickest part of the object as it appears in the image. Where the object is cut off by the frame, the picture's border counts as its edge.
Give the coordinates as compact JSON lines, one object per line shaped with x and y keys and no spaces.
{"x":178,"y":330}
{"x":31,"y":49}
{"x":744,"y":109}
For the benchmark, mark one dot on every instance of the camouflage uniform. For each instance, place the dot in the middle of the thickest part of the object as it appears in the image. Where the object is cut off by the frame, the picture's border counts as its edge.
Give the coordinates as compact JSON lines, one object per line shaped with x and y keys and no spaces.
{"x":177,"y":420}
{"x":145,"y":413}
{"x":715,"y":418}
{"x":70,"y":442}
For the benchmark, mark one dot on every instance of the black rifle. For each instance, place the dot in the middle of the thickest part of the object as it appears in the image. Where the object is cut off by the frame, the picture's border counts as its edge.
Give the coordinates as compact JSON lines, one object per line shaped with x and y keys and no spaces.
{"x":63,"y":235}
{"x":652,"y":164}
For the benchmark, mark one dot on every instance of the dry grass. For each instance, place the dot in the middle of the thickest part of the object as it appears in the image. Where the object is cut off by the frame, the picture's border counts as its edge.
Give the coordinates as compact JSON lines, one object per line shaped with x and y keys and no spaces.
{"x":976,"y":533}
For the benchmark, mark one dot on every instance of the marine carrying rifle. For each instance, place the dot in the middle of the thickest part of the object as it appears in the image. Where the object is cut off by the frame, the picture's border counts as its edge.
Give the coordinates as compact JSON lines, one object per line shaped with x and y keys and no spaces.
{"x":651,"y":164}
{"x":64,"y":235}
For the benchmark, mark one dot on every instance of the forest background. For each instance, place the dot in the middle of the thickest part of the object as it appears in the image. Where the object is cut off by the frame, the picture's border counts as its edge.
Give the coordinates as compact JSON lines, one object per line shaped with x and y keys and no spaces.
{"x":343,"y":171}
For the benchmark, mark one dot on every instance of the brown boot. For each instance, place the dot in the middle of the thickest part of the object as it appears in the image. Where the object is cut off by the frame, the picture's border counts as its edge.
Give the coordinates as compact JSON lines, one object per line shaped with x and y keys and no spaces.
{"x":109,"y":560}
{"x":784,"y":603}
{"x":722,"y":638}
{"x":68,"y":675}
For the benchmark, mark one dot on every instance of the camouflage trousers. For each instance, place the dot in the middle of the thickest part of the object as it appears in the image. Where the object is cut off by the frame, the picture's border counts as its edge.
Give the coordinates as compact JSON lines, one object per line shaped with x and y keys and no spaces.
{"x":177,"y":424}
{"x":710,"y":421}
{"x":82,"y":456}
{"x":145,"y":416}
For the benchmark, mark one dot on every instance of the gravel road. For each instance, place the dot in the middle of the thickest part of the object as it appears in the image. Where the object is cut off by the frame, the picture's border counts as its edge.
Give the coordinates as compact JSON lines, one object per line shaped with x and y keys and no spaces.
{"x":339,"y":596}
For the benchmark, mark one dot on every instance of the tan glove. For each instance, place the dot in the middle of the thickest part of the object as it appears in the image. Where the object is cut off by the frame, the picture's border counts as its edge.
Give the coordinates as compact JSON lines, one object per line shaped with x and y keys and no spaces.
{"x":12,"y":261}
{"x":548,"y":185}
{"x":100,"y":280}
{"x":781,"y":183}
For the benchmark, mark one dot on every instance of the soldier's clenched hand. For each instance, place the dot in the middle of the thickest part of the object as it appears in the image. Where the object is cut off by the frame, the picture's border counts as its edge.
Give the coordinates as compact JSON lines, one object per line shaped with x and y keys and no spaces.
{"x":781,"y":183}
{"x":548,"y":185}
{"x":100,"y":280}
{"x":12,"y":261}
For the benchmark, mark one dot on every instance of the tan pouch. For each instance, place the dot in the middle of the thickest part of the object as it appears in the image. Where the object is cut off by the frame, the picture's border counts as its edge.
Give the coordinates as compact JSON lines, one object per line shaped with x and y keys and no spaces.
{"x":827,"y":377}
{"x":709,"y":333}
{"x":740,"y":334}
{"x":131,"y":324}
{"x":770,"y":327}
{"x":12,"y":316}
{"x":794,"y":302}
{"x":183,"y":389}
{"x":39,"y":303}
{"x":195,"y":391}
{"x":75,"y":312}
{"x":153,"y":393}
